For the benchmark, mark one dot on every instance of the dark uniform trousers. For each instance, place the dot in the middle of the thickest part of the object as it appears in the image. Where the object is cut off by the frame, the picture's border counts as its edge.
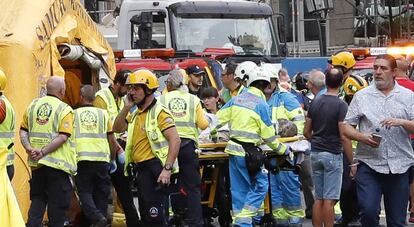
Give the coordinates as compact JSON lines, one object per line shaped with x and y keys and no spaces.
{"x":122,"y":187}
{"x":93,"y":185}
{"x":152,"y":199}
{"x":49,"y":188}
{"x":348,"y":199}
{"x":190,"y":180}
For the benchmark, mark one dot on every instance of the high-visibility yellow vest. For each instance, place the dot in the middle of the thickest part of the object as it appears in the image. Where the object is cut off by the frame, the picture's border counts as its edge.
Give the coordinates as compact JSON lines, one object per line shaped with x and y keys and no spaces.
{"x":157,"y":140}
{"x":45,"y":115}
{"x":112,"y":106}
{"x":182,"y":106}
{"x":91,"y":126}
{"x":7,"y":130}
{"x":248,"y":116}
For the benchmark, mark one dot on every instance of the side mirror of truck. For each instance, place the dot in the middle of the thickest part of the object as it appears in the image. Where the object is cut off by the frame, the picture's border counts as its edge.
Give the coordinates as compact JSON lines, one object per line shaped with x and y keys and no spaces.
{"x":279,"y":20}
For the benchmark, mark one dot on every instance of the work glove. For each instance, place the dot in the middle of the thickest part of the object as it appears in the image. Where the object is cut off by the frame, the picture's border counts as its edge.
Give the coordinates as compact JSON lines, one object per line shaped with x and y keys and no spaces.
{"x":121,"y":157}
{"x":112,"y":167}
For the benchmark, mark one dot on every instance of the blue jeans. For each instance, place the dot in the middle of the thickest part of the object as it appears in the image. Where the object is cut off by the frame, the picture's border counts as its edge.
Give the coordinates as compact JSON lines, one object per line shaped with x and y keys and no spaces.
{"x":247,"y":197}
{"x":371,"y":185}
{"x":327,"y":174}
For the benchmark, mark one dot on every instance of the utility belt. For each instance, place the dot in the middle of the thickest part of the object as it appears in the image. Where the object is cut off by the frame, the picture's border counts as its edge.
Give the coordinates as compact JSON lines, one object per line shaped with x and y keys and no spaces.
{"x":254,"y":157}
{"x":134,"y":169}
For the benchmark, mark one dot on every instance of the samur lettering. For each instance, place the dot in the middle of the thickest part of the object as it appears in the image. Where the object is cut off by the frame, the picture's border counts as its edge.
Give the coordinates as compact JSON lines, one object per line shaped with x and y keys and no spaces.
{"x":53,"y":17}
{"x":49,"y":22}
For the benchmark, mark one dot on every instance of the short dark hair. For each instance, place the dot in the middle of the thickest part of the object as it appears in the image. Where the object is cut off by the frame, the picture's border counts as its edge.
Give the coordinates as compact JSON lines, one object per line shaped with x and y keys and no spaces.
{"x":334,"y":78}
{"x":121,"y":76}
{"x":389,"y":58}
{"x":209,"y":92}
{"x":88,"y":93}
{"x":230,"y":68}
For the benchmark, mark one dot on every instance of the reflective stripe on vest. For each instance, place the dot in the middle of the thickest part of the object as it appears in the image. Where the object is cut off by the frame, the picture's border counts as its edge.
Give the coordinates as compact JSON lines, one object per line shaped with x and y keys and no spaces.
{"x":249,"y":135}
{"x":6,"y":135}
{"x":7,"y":130}
{"x":91,"y":134}
{"x":44,"y":116}
{"x":59,"y":162}
{"x":98,"y":154}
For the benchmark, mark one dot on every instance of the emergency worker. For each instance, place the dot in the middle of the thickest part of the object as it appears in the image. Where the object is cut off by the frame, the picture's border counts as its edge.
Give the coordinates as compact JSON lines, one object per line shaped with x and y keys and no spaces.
{"x":93,"y":136}
{"x":233,"y":85}
{"x":285,"y":186}
{"x":301,"y":91}
{"x":111,"y":99}
{"x":7,"y":125}
{"x":345,"y":61}
{"x":248,"y":116}
{"x":45,"y":135}
{"x":152,"y":145}
{"x":188,"y":117}
{"x":195,"y":79}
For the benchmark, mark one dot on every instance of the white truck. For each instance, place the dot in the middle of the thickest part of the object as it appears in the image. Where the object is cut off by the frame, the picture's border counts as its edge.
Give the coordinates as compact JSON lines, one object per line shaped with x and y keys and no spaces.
{"x":192,"y":26}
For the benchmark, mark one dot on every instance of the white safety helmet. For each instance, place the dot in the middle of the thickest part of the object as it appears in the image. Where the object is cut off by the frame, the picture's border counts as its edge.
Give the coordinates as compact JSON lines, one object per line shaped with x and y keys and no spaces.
{"x":271,"y":69}
{"x":258,"y":74}
{"x":244,"y":69}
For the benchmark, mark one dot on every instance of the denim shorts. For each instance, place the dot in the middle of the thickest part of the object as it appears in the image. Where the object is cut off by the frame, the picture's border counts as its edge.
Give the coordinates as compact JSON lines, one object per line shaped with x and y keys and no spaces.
{"x":327,"y":171}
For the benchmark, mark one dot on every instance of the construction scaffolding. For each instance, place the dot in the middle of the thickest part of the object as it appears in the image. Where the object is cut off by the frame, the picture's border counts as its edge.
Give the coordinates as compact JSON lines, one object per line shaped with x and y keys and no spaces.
{"x":382,"y":22}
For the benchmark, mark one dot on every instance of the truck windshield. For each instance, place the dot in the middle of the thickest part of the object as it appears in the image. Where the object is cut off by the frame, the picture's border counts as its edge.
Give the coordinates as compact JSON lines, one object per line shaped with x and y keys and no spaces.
{"x":251,"y":36}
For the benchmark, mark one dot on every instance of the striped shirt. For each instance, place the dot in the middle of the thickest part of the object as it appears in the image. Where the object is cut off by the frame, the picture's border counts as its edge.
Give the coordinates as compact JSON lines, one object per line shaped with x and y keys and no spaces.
{"x":368,"y":109}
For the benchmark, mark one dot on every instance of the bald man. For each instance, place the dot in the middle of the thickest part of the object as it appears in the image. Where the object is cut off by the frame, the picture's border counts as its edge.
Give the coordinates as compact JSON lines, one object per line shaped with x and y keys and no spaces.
{"x":95,"y":147}
{"x":45,"y":135}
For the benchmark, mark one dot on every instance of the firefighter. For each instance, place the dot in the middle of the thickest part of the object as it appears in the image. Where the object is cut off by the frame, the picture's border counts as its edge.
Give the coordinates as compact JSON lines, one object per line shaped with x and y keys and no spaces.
{"x":7,"y":125}
{"x":248,"y":116}
{"x":285,"y":186}
{"x":111,"y":99}
{"x":93,"y":137}
{"x":232,"y":85}
{"x":345,"y":61}
{"x":152,"y":145}
{"x":189,"y":117}
{"x":45,"y":134}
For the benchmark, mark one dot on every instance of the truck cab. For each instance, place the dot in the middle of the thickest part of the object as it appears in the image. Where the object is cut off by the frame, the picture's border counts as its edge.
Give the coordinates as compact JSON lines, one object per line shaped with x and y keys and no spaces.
{"x":193,"y":26}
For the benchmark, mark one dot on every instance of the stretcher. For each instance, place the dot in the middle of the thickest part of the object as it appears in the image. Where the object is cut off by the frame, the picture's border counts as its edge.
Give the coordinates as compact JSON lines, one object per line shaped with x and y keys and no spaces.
{"x":216,"y":197}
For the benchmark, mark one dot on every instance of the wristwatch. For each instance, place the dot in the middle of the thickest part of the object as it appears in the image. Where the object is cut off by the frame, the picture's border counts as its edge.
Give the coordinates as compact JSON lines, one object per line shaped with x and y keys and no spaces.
{"x":168,"y":166}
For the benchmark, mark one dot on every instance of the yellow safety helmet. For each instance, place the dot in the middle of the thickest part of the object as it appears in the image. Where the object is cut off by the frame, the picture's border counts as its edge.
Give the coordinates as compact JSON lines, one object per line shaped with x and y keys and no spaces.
{"x":3,"y":80}
{"x":353,"y":84}
{"x":144,"y":77}
{"x":344,"y":59}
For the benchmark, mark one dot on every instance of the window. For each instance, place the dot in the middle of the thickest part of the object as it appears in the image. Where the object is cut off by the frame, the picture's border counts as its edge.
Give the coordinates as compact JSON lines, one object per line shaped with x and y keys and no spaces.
{"x":148,"y":30}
